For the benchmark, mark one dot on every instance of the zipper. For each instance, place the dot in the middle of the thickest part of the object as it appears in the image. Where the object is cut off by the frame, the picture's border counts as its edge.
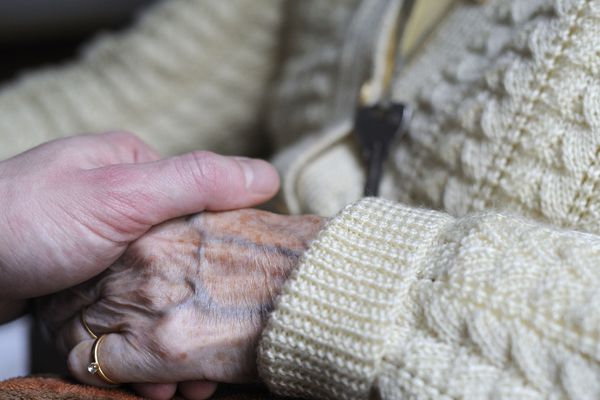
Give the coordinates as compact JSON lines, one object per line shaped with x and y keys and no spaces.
{"x":376,"y":126}
{"x":357,"y":85}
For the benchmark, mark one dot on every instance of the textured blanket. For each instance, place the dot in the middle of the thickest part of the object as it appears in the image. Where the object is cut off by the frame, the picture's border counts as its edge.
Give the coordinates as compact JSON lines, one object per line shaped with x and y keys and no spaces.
{"x":53,"y":388}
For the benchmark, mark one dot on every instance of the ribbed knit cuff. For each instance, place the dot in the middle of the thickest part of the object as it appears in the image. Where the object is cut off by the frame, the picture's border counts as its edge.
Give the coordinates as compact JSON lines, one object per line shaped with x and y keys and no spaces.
{"x":327,"y":334}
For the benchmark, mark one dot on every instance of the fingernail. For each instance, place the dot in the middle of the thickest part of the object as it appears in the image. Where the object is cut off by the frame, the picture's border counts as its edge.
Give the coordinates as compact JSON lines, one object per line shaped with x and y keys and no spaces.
{"x":260,"y":176}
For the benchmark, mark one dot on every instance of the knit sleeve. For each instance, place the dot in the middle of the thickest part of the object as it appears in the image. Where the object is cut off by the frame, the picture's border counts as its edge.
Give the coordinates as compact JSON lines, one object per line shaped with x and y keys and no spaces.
{"x":400,"y":302}
{"x":190,"y":74}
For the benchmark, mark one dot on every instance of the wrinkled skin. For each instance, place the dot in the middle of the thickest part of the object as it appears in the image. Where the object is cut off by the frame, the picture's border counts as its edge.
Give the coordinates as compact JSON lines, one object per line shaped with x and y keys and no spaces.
{"x":70,"y":207}
{"x":187,"y":301}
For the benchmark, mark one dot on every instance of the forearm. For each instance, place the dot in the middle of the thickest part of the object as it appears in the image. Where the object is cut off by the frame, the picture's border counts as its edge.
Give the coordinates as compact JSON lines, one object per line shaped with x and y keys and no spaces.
{"x":412,"y":302}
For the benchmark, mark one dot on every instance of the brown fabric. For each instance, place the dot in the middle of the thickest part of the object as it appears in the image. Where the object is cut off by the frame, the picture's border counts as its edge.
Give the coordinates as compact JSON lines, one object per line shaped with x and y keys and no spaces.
{"x":51,"y":388}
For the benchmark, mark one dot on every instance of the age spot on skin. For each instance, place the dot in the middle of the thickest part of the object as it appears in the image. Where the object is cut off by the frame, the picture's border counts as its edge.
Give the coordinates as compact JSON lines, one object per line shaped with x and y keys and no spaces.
{"x":223,"y":357}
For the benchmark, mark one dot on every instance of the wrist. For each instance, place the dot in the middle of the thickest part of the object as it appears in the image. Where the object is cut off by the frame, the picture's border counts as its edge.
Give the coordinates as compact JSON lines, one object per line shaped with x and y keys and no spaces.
{"x":311,"y":226}
{"x":306,"y":234}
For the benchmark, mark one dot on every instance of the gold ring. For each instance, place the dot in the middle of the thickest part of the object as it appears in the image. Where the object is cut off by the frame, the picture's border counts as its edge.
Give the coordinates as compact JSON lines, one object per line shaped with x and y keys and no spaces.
{"x":85,"y":325}
{"x":94,"y":367}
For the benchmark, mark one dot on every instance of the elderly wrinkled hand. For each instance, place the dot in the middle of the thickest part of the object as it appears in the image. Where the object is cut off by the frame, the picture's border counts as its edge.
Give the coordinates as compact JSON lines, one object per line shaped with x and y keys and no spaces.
{"x":187,"y":301}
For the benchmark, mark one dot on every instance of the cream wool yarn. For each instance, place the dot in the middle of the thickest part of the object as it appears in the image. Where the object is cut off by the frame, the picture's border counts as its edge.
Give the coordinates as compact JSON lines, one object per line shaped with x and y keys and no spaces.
{"x":412,"y":303}
{"x":190,"y":74}
{"x":506,"y":99}
{"x":394,"y":301}
{"x":472,"y":298}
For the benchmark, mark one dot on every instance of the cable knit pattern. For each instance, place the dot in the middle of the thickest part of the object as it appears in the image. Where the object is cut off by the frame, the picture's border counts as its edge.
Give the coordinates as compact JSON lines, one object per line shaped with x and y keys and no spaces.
{"x":420,"y":305}
{"x":506,"y":101}
{"x":397,"y":302}
{"x":510,"y":122}
{"x":191,"y":74}
{"x":390,"y":300}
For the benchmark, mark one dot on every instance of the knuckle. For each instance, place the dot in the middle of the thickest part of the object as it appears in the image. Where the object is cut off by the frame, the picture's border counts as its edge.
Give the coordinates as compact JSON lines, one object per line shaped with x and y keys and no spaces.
{"x":117,"y":197}
{"x":111,"y":177}
{"x":129,"y":141}
{"x":124,"y":137}
{"x":64,"y":148}
{"x":202,"y":167}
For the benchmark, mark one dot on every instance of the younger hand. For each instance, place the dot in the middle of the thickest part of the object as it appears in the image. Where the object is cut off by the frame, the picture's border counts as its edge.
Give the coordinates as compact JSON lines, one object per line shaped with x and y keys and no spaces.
{"x":70,"y":207}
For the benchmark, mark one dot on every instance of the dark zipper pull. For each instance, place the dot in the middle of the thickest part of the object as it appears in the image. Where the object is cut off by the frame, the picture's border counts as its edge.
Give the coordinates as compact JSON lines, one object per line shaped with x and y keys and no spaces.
{"x":376,"y":127}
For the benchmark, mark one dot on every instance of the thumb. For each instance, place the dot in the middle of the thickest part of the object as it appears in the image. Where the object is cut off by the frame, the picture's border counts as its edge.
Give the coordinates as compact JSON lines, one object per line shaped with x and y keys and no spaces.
{"x":161,"y":190}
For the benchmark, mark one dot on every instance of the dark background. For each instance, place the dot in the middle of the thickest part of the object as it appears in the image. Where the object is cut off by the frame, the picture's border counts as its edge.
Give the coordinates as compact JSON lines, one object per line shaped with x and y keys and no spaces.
{"x":36,"y":33}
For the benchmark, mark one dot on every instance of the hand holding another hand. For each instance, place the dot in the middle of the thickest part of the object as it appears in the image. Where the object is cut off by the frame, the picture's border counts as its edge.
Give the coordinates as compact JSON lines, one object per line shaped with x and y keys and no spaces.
{"x":71,"y":207}
{"x":187,"y":301}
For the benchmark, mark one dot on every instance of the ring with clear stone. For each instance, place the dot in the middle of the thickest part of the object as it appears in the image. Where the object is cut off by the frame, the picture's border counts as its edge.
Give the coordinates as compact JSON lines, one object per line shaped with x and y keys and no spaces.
{"x":94,"y":367}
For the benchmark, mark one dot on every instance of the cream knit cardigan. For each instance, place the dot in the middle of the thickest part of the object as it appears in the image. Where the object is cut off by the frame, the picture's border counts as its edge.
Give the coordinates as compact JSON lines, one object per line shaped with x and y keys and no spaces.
{"x":484,"y":280}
